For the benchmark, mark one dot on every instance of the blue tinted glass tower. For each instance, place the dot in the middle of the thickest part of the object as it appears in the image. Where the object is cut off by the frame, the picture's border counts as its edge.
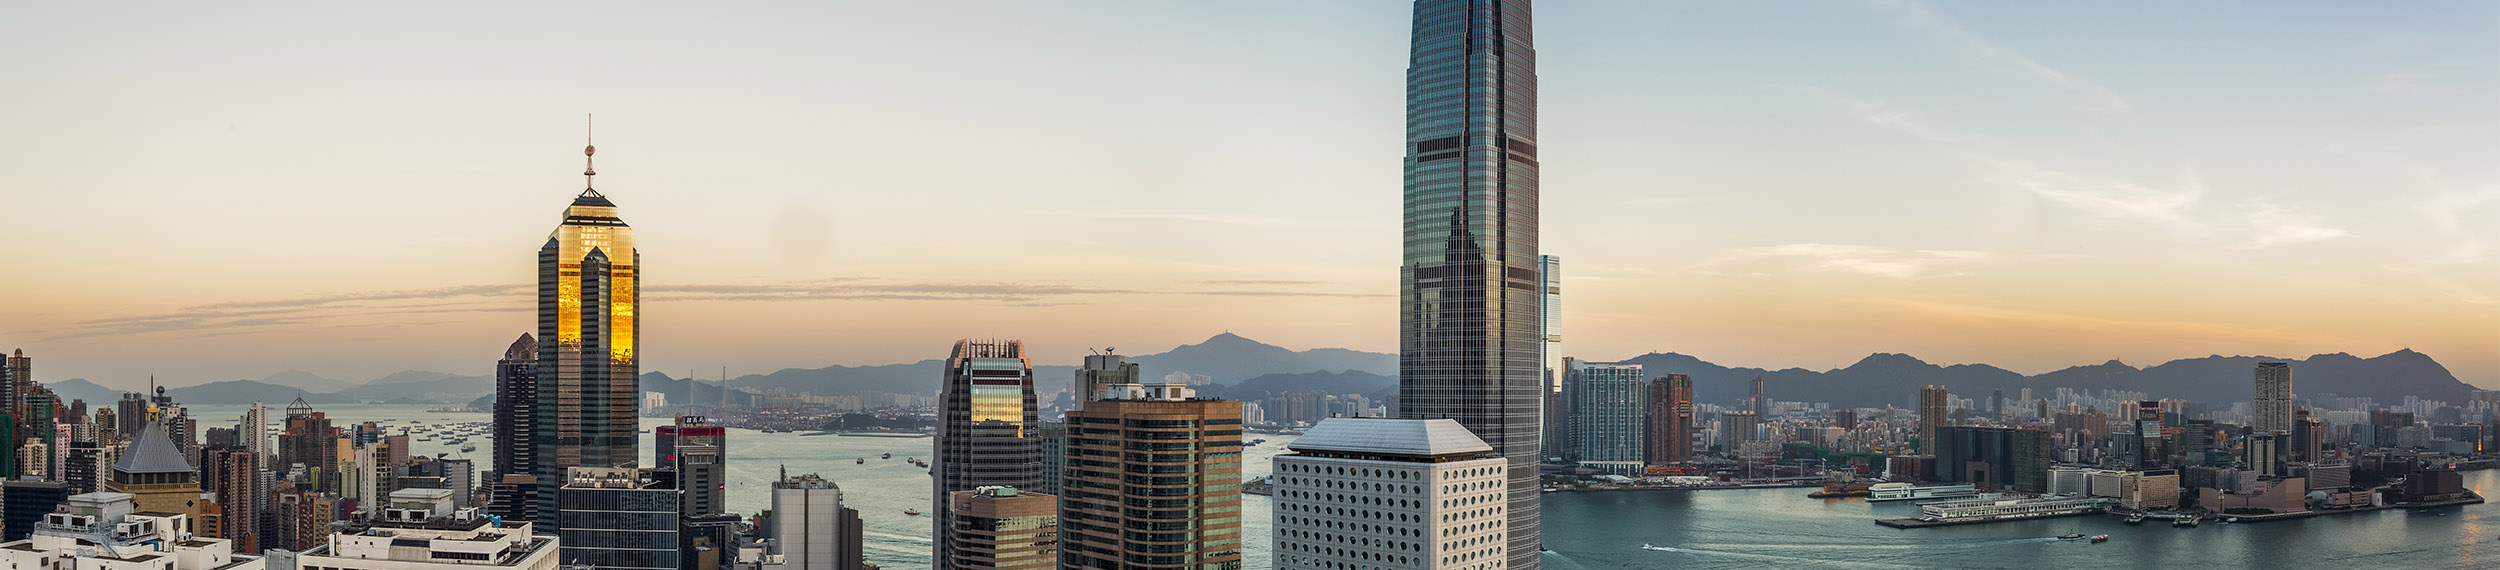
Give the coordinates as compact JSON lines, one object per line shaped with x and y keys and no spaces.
{"x":1470,"y":345}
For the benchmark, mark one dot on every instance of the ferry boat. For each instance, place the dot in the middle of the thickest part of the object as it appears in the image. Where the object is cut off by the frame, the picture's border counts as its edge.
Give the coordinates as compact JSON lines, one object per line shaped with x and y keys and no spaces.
{"x":912,"y":512}
{"x":2100,"y":538}
{"x":2183,"y":522}
{"x":1908,"y":492}
{"x":468,"y":447}
{"x":861,"y":461}
{"x":2137,"y":518}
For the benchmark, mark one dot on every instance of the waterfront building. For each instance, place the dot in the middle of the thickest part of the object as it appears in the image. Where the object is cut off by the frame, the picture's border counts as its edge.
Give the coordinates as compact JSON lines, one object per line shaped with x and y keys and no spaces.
{"x":1469,"y":331}
{"x":423,"y":529}
{"x":109,"y":531}
{"x":1993,"y":458}
{"x":619,"y":518}
{"x":589,"y":332}
{"x":2149,"y":490}
{"x":2285,"y":495}
{"x":1931,"y":416}
{"x":692,"y":448}
{"x":810,"y":529}
{"x":1388,"y":494}
{"x":1102,"y":369}
{"x":1670,"y":421}
{"x":984,"y":433}
{"x":1551,"y":440}
{"x":1000,"y":528}
{"x":23,"y":504}
{"x":1160,"y":484}
{"x":1607,"y":405}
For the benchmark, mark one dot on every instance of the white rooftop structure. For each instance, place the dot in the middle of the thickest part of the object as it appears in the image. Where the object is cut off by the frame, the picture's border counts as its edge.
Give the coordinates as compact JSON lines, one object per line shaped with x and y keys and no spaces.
{"x":1384,"y":436}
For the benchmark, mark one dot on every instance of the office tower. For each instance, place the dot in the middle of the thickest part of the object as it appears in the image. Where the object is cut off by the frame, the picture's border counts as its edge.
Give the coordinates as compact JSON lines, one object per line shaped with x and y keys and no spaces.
{"x":1994,"y":458}
{"x":2272,"y":405}
{"x":1931,"y":415}
{"x":253,"y":433}
{"x":998,"y":527}
{"x":2151,"y":453}
{"x":811,"y":530}
{"x":1607,"y":401}
{"x":987,"y":408}
{"x":1101,"y":370}
{"x":1670,"y":421}
{"x":1845,"y":418}
{"x":1996,"y":402}
{"x":137,"y":538}
{"x":228,"y":479}
{"x":1054,"y":437}
{"x":309,"y":441}
{"x":2308,"y":437}
{"x":133,"y":411}
{"x":1468,"y":330}
{"x":153,"y":470}
{"x":1551,"y":439}
{"x":619,"y":517}
{"x":1389,"y":494}
{"x":1761,"y":403}
{"x":1176,"y":504}
{"x":1736,"y":428}
{"x":693,"y":449}
{"x":589,"y":293}
{"x":24,"y":503}
{"x":424,"y":529}
{"x":516,"y":407}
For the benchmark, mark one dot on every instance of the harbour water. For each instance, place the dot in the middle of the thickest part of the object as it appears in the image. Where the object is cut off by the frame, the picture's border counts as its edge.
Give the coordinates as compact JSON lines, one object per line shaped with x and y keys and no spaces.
{"x":1752,"y":528}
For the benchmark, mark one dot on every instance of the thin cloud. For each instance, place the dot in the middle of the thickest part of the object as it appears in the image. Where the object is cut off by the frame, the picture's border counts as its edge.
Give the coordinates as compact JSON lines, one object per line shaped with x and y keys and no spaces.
{"x":2180,"y":209}
{"x":1883,"y":114}
{"x":1976,"y":47}
{"x":1840,"y":258}
{"x":1261,"y":282}
{"x":237,"y":316}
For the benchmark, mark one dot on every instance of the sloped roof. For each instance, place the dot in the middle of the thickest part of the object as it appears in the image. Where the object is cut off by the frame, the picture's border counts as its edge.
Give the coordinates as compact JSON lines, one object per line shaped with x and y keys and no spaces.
{"x":1390,"y":437}
{"x":154,"y":452}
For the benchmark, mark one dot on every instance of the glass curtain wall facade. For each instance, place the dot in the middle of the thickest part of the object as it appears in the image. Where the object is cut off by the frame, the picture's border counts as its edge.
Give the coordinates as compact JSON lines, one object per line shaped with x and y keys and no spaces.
{"x":988,"y":433}
{"x":1470,"y":341}
{"x":589,"y":289}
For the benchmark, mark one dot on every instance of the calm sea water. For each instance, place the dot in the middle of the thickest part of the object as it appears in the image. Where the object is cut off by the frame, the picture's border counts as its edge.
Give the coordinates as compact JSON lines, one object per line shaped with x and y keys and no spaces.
{"x":1663,"y":529}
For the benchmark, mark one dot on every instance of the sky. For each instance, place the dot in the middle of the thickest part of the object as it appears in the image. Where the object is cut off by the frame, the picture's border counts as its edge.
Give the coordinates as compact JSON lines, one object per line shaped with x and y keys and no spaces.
{"x":206,"y":192}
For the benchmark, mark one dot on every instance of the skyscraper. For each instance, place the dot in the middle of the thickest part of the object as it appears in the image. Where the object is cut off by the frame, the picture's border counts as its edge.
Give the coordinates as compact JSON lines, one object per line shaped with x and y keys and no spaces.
{"x":589,"y":293}
{"x":308,"y":442}
{"x":1551,"y":439}
{"x":1670,"y":419}
{"x":1931,"y":404}
{"x":1469,"y":341}
{"x":2271,"y":410}
{"x":1607,"y":405}
{"x":1001,"y":528}
{"x":985,"y":431}
{"x":619,"y":518}
{"x":1176,"y":505}
{"x":694,"y":450}
{"x":1101,"y":370}
{"x":810,"y":528}
{"x":1761,"y":402}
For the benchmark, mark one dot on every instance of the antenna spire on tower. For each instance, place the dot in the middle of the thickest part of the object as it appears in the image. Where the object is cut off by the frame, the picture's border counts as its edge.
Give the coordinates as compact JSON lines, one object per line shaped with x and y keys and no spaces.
{"x":587,"y":150}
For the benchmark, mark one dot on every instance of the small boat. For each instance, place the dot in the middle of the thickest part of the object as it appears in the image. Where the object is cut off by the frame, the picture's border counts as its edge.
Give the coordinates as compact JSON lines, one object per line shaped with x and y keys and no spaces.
{"x":2071,"y":536}
{"x":2184,"y":522}
{"x":912,"y":512}
{"x":862,"y":461}
{"x":468,"y":447}
{"x":2137,"y":518}
{"x":2100,"y":538}
{"x":886,"y":456}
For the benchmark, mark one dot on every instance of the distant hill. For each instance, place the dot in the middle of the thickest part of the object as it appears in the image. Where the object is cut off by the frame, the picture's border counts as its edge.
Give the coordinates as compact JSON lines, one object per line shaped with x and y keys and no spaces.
{"x":1894,"y":379}
{"x":243,"y":392}
{"x":81,"y":389}
{"x":1229,"y":358}
{"x":1225,"y":359}
{"x":421,"y":386}
{"x":307,"y":381}
{"x":1346,"y":382}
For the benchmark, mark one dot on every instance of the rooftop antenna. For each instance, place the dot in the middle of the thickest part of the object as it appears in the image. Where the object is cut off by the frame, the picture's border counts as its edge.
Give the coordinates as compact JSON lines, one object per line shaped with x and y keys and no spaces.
{"x":587,"y":151}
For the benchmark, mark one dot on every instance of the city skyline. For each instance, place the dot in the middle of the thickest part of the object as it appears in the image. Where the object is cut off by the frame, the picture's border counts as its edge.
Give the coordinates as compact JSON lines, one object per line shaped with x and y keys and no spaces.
{"x":1972,"y":189}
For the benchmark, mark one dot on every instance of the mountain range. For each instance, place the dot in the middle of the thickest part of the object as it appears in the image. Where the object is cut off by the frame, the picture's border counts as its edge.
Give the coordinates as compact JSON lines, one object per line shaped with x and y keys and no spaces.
{"x":1237,"y":367}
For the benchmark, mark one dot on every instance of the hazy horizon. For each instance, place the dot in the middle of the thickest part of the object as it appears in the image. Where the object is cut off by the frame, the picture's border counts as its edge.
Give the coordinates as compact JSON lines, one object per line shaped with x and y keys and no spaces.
{"x":210,"y":192}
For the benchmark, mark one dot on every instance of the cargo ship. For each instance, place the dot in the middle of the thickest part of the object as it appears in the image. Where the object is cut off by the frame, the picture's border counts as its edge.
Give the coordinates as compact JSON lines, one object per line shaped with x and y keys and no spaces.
{"x":1908,"y":492}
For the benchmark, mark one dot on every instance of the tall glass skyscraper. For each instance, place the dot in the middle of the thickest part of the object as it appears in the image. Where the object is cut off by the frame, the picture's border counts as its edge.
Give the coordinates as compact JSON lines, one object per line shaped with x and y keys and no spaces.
{"x":588,"y":377}
{"x":1470,"y":342}
{"x":987,"y":433}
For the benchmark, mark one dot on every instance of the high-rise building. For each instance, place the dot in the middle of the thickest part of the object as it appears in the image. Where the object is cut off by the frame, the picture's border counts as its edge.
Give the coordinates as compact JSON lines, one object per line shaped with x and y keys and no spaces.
{"x":133,"y":411}
{"x":154,"y":471}
{"x":1736,"y":428}
{"x":619,"y":518}
{"x":1607,"y":405}
{"x":424,"y":529}
{"x":984,"y":433}
{"x":1101,"y":370}
{"x":1670,"y":433}
{"x":23,"y":504}
{"x":2309,"y":441}
{"x":810,"y":528}
{"x":309,"y":441}
{"x":1055,"y":457}
{"x":589,"y":329}
{"x":513,"y":490}
{"x":1931,"y":415}
{"x":1391,"y":495}
{"x":693,"y":449}
{"x":1469,"y":334}
{"x":229,"y":479}
{"x":2271,"y":406}
{"x":1551,"y":440}
{"x":1001,"y":528}
{"x":1761,"y":402}
{"x":17,"y":377}
{"x":1176,"y":505}
{"x":1993,"y":457}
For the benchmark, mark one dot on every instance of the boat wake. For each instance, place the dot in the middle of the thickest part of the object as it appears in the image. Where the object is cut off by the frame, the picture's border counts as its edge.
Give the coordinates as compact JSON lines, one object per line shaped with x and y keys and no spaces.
{"x":1663,"y":548}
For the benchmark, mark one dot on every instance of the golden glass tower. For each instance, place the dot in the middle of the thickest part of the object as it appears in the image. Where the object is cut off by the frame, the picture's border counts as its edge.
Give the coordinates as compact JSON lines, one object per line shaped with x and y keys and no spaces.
{"x":588,"y":287}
